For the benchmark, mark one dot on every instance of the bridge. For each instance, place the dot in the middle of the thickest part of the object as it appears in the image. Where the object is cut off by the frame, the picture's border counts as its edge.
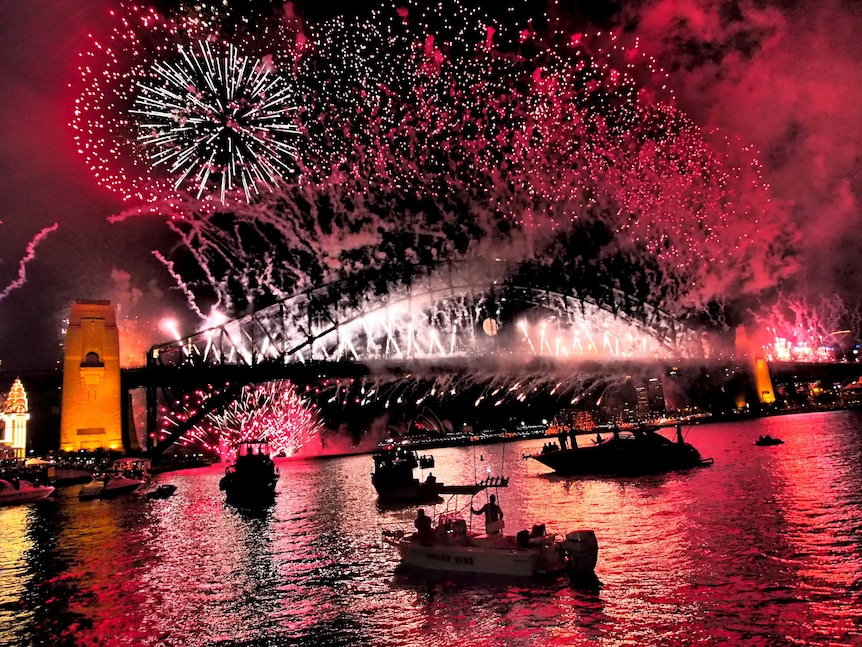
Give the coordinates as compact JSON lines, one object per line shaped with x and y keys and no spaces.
{"x":422,"y":320}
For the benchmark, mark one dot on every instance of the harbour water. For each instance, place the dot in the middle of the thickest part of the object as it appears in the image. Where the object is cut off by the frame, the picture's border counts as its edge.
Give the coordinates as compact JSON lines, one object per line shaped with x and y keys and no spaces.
{"x":762,"y":548}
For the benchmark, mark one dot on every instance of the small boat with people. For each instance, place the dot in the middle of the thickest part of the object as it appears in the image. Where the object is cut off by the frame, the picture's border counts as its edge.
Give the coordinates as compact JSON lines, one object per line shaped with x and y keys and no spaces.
{"x":253,"y":476}
{"x":396,"y":484}
{"x":767,"y":440}
{"x":393,"y":477}
{"x":18,"y":490}
{"x":450,"y":547}
{"x":622,"y":452}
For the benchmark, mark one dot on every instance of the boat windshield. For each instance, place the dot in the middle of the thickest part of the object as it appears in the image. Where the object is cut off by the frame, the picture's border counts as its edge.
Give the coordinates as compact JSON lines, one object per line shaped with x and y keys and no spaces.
{"x":254,"y":449}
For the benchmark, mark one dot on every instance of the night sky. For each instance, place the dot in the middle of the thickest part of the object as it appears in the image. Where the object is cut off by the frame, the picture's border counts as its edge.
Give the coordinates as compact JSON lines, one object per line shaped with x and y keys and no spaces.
{"x":784,"y":76}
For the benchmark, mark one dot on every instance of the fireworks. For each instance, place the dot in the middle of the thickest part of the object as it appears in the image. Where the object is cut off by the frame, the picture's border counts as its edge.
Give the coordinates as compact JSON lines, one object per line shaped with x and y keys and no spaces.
{"x":429,"y":136}
{"x":272,"y":411}
{"x":214,"y":120}
{"x":169,"y":112}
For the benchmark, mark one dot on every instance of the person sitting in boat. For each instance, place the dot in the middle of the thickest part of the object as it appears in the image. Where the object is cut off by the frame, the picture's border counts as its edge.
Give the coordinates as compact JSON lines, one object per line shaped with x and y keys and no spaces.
{"x":493,"y":515}
{"x":424,"y":528}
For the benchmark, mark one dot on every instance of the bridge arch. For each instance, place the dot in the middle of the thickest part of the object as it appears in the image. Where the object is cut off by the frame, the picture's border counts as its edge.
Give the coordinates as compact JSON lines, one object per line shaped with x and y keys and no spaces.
{"x":457,"y":310}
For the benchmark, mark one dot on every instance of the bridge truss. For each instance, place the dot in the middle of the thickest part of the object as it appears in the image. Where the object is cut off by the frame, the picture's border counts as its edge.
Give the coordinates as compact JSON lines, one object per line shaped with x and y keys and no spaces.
{"x":459,"y":311}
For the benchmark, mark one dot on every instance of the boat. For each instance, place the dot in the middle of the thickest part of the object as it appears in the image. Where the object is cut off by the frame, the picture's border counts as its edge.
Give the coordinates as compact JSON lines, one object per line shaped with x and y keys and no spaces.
{"x":252,"y":478}
{"x":393,"y":477}
{"x":452,"y":549}
{"x":395,"y":483}
{"x":764,"y":441}
{"x":92,"y":489}
{"x":21,"y":491}
{"x":632,"y":452}
{"x":125,"y":476}
{"x":163,"y":491}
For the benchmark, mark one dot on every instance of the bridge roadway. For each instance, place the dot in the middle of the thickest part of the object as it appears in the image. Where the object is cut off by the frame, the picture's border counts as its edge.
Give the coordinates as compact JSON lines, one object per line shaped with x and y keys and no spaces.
{"x":44,"y":387}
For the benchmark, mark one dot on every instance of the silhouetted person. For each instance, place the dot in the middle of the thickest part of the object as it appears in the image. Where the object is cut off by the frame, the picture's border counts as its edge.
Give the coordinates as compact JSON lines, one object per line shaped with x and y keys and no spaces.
{"x":492,"y":513}
{"x":679,"y":437}
{"x":424,"y":528}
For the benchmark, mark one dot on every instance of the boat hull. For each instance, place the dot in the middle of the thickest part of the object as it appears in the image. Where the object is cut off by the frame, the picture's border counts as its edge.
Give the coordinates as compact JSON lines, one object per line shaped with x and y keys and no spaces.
{"x":120,"y":486}
{"x":624,"y":457}
{"x":25,"y":493}
{"x":465,"y":559}
{"x":108,"y":489}
{"x":501,"y":555}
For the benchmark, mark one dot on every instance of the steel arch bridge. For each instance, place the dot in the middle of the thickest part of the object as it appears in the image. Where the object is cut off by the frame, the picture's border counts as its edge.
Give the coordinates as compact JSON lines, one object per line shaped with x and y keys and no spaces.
{"x":423,"y":317}
{"x":456,"y":311}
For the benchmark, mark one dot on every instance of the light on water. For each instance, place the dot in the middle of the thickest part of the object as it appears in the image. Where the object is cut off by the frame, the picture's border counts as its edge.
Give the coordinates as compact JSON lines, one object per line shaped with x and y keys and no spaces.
{"x":762,"y":548}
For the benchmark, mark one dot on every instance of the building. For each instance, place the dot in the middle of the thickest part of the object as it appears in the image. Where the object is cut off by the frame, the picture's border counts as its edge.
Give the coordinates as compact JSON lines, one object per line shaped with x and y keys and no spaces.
{"x":16,"y":414}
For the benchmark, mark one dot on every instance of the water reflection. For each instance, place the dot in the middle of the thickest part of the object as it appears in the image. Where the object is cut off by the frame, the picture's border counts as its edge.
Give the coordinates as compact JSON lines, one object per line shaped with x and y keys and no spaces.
{"x":761,"y":548}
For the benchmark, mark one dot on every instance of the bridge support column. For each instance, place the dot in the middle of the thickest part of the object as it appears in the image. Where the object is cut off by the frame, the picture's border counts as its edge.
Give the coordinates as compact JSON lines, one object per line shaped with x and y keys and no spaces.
{"x":91,"y":404}
{"x":747,"y":347}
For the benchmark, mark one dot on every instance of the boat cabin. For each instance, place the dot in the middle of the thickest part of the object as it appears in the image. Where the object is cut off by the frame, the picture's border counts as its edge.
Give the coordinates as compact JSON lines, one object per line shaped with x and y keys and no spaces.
{"x":253,"y":448}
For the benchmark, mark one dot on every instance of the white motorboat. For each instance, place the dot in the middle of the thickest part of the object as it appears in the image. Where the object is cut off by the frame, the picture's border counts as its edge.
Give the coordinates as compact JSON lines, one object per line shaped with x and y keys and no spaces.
{"x":91,"y":489}
{"x":126,"y":476}
{"x":22,"y":492}
{"x":452,"y":549}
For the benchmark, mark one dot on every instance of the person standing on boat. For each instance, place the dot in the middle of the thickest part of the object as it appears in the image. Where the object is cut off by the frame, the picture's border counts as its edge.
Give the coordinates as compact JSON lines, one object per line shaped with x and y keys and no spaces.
{"x":493,"y":514}
{"x":424,"y":528}
{"x":679,"y":438}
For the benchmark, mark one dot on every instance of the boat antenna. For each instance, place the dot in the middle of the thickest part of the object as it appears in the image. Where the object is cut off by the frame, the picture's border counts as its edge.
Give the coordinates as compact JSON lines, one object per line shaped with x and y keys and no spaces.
{"x":475,"y":472}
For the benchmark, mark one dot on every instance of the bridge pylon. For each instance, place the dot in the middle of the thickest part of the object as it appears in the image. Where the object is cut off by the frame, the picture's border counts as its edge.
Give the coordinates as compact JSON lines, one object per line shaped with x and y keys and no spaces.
{"x":91,"y":411}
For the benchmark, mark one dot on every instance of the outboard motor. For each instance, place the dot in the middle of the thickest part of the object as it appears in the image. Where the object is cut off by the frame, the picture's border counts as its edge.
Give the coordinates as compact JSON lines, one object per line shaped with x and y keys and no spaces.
{"x":582,"y":550}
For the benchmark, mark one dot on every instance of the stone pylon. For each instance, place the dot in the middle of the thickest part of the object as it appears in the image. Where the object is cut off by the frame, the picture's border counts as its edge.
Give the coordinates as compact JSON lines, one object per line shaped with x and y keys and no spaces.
{"x":91,"y":414}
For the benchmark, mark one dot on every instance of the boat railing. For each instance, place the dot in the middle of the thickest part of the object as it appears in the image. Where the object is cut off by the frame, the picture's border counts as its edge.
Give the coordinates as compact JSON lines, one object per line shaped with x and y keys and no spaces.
{"x":475,"y":488}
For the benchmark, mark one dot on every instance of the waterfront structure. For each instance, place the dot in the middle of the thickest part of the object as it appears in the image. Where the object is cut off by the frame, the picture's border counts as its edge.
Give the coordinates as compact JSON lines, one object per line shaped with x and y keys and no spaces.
{"x":758,"y":366}
{"x":90,"y":414}
{"x":16,"y":414}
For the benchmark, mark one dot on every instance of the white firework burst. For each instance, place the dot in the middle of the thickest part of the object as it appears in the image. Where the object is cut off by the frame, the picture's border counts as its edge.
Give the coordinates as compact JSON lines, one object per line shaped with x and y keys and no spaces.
{"x":217,"y":123}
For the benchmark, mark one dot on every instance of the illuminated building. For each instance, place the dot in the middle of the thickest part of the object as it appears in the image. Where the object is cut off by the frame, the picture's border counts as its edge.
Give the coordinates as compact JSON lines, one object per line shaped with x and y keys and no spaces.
{"x":15,"y":416}
{"x":90,"y":415}
{"x":759,"y":368}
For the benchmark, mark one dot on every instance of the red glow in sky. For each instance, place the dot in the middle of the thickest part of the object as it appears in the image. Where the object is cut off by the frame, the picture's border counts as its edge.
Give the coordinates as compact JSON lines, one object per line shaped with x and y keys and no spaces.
{"x":736,"y":67}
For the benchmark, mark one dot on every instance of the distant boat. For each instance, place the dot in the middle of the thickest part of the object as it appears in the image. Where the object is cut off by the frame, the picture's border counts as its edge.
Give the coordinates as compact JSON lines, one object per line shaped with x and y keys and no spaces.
{"x":767,"y":440}
{"x":640,"y":450}
{"x":163,"y":491}
{"x":395,"y":483}
{"x":393,"y":477}
{"x":251,"y":480}
{"x":20,"y":491}
{"x":125,"y":476}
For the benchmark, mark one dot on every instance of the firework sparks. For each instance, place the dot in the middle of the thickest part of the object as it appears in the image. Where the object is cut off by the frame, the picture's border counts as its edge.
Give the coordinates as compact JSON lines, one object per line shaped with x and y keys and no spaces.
{"x":170,"y":112}
{"x":466,"y":138}
{"x":272,"y":411}
{"x":29,"y":256}
{"x":212,"y":120}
